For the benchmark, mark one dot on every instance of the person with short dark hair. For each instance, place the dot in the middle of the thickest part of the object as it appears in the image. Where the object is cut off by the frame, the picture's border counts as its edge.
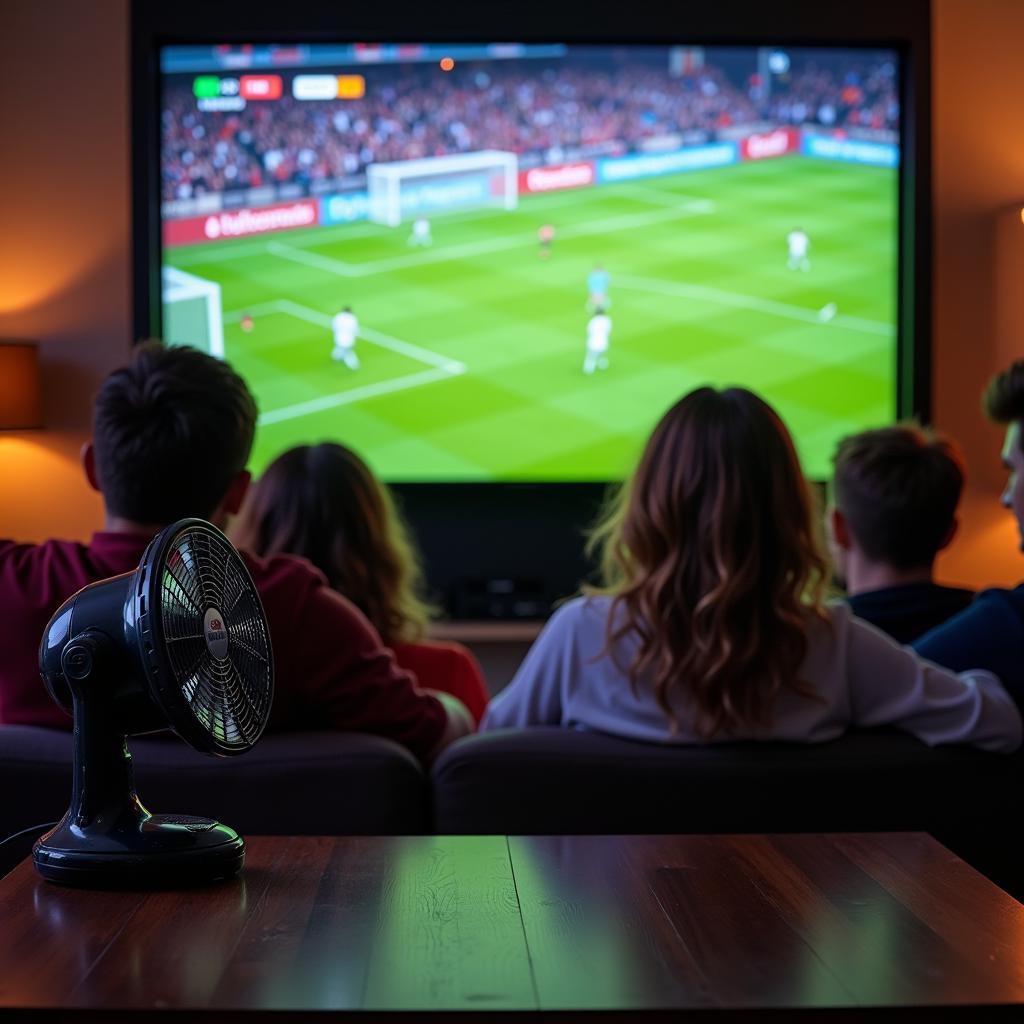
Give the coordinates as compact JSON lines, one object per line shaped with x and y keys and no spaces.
{"x":172,"y":432}
{"x":894,"y":497}
{"x":990,"y":633}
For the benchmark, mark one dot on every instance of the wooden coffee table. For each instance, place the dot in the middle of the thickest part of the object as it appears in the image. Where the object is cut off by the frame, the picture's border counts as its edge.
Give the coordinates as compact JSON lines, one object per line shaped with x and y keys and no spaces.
{"x":807,"y":926}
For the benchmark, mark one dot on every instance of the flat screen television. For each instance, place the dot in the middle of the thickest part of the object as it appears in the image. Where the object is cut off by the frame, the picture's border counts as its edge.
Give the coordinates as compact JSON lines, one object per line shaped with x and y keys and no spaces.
{"x":490,"y":266}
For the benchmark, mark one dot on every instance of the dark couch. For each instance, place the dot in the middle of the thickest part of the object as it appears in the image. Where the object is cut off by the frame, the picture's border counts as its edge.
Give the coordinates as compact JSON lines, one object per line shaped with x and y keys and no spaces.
{"x":552,"y":781}
{"x":316,"y":783}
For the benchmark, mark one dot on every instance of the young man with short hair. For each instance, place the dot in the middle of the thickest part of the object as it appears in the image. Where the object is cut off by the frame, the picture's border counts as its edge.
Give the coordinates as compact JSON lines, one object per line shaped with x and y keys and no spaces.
{"x":895,"y":493}
{"x":990,"y":633}
{"x":172,"y":432}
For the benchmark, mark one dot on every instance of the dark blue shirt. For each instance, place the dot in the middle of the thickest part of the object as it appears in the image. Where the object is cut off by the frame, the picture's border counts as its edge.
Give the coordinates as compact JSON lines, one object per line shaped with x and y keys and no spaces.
{"x":988,"y":634}
{"x":908,"y":611}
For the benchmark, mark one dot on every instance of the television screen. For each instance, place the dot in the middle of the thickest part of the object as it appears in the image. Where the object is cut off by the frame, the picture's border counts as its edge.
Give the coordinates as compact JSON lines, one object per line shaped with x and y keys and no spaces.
{"x":503,"y":262}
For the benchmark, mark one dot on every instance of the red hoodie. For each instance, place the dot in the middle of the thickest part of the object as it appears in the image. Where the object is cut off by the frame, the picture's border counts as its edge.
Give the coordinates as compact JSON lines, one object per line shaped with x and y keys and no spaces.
{"x":331,"y":668}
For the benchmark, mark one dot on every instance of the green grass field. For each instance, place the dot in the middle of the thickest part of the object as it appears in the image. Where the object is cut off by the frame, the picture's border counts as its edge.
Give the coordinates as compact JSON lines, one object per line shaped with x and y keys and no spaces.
{"x":471,"y":350}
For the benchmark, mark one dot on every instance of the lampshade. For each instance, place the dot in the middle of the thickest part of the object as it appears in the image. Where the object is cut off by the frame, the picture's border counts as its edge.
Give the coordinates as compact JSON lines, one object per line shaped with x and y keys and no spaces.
{"x":21,"y":405}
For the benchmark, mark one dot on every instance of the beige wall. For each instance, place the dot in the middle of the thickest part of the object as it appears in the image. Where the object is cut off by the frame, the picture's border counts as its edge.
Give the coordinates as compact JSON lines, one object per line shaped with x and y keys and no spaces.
{"x":64,"y":244}
{"x":978,"y":92}
{"x":64,"y":250}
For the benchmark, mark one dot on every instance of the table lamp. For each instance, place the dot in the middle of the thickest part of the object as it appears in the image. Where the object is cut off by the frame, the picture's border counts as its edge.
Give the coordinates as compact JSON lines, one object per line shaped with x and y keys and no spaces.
{"x":21,"y":405}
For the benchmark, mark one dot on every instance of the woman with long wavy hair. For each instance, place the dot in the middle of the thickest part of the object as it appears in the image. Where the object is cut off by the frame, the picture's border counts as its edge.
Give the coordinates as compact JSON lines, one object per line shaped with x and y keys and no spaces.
{"x":324,"y":503}
{"x":711,"y":624}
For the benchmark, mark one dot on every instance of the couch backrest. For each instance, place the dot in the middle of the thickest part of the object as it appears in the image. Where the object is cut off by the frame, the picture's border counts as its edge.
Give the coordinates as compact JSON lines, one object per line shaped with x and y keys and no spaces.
{"x":557,"y":781}
{"x":315,"y":783}
{"x":551,"y":781}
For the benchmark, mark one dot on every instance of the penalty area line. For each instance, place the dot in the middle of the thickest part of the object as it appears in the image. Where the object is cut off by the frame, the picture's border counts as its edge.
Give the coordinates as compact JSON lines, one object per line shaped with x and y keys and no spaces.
{"x":384,"y":387}
{"x":288,"y":307}
{"x":718,"y":296}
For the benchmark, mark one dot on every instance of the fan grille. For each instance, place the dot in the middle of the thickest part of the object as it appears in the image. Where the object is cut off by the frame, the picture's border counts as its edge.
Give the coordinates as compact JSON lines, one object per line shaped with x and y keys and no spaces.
{"x":226,"y":682}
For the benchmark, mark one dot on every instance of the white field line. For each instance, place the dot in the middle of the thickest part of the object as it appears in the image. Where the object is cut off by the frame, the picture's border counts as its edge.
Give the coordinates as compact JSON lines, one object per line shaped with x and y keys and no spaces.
{"x":384,"y":387}
{"x":662,"y":197}
{"x":361,"y":229}
{"x":623,"y":222}
{"x":703,"y":293}
{"x":374,"y":337}
{"x":312,"y":259}
{"x":233,"y":316}
{"x":240,"y":251}
{"x":258,"y":247}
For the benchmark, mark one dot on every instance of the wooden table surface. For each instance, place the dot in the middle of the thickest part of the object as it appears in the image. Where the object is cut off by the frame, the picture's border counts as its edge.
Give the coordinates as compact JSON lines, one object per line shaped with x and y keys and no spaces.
{"x":718,"y":926}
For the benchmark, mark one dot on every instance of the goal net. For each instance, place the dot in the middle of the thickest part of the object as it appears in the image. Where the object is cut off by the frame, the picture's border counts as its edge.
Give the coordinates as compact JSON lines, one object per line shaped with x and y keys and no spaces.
{"x":407,"y":189}
{"x":192,"y":312}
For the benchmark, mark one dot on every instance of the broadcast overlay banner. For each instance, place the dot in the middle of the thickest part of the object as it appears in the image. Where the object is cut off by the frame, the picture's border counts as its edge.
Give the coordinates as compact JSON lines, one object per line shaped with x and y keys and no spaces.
{"x":439,"y":195}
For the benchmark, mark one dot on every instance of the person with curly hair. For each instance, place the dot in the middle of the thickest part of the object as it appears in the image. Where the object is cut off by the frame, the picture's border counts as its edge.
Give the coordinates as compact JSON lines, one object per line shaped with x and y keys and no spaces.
{"x":324,"y":503}
{"x":712,"y":623}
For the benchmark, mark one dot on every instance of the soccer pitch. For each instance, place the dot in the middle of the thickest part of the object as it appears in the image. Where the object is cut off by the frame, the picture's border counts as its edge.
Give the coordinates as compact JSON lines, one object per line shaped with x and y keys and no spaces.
{"x":471,"y":350}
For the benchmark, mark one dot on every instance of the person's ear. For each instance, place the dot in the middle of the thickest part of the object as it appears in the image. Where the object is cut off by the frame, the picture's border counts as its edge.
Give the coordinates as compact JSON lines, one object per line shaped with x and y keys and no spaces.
{"x":236,"y":493}
{"x":947,"y":538}
{"x":840,"y":529}
{"x":88,"y":457}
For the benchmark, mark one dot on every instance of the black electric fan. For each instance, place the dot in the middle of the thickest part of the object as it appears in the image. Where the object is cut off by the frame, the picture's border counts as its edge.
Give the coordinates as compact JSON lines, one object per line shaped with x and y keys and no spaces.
{"x":182,"y":642}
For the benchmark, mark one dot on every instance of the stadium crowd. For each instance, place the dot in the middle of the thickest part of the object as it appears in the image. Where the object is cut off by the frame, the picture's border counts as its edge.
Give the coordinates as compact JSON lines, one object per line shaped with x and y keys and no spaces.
{"x":566,"y":114}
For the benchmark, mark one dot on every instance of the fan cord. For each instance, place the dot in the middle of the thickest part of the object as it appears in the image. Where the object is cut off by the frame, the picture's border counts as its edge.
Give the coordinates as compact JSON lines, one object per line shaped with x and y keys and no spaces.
{"x":26,"y":831}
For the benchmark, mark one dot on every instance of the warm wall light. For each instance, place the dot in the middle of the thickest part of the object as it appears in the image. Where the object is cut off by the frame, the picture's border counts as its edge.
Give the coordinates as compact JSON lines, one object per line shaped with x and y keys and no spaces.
{"x":21,"y":403}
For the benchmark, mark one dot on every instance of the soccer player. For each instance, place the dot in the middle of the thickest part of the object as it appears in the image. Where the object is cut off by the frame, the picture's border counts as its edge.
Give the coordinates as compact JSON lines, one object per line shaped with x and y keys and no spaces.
{"x":599,"y":329}
{"x":421,"y":232}
{"x":346,"y":329}
{"x":597,"y":287}
{"x":546,"y":235}
{"x":798,"y":243}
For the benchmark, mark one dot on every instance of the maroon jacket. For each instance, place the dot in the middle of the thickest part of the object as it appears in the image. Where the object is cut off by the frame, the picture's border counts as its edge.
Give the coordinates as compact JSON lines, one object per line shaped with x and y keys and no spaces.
{"x":331,"y":668}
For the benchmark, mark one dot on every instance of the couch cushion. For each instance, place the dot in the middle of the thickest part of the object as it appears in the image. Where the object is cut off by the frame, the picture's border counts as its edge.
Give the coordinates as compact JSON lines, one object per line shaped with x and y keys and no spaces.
{"x":316,"y":783}
{"x":558,"y":781}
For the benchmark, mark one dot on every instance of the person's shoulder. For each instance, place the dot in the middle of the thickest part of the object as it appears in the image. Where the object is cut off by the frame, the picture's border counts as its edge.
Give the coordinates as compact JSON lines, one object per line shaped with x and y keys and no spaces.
{"x":426,"y":656}
{"x":828,"y":627}
{"x":834,"y":615}
{"x":1010,"y":597}
{"x":447,"y":651}
{"x":22,"y":556}
{"x":292,"y":587}
{"x":12,"y":551}
{"x":952,"y":599}
{"x":1006,"y":595}
{"x":581,"y":614}
{"x":284,"y":573}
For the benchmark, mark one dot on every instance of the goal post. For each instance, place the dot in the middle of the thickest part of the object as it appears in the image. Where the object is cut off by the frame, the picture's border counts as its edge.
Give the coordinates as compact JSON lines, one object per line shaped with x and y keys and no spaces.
{"x":193,"y":313}
{"x":406,"y":189}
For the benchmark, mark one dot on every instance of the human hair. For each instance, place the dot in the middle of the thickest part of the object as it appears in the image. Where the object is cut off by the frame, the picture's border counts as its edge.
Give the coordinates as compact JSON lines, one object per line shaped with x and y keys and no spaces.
{"x":1004,"y":396}
{"x":324,"y":503}
{"x":898,"y":488}
{"x":712,"y":558}
{"x":171,"y":430}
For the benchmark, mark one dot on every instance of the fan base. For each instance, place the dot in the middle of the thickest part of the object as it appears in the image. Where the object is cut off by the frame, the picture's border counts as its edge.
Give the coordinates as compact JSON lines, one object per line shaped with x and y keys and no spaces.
{"x":167,"y":852}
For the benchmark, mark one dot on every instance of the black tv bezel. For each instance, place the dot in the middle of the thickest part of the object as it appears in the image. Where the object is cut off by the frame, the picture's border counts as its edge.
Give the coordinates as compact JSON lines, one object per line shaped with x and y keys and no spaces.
{"x":457,"y":537}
